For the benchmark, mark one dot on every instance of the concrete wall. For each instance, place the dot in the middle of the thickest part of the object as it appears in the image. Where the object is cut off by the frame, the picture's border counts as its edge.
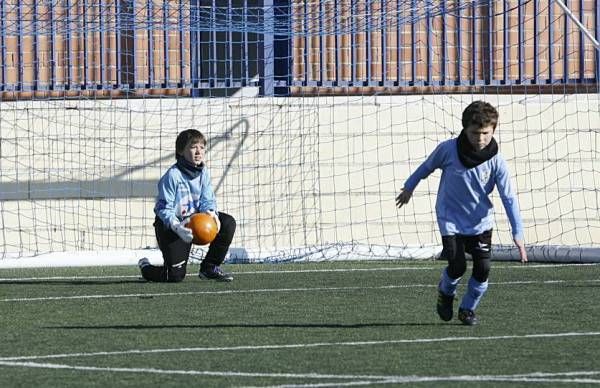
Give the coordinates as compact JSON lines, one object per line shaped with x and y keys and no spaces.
{"x":295,"y":172}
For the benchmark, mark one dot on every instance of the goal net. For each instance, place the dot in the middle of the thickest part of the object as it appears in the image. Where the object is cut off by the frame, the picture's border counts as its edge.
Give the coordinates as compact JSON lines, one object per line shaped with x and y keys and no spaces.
{"x":316,"y":112}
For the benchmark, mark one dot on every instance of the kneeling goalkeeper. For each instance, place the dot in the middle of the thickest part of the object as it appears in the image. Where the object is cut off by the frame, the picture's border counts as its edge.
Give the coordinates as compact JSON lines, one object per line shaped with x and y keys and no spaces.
{"x":183,"y":190}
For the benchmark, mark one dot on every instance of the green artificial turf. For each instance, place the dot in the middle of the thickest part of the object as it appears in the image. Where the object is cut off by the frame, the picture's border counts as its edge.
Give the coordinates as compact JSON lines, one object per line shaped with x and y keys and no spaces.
{"x":311,"y":324}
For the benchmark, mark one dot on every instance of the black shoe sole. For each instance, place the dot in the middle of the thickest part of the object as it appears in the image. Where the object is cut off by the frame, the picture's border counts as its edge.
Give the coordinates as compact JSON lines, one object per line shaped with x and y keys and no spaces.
{"x":444,"y":316}
{"x":218,"y":279}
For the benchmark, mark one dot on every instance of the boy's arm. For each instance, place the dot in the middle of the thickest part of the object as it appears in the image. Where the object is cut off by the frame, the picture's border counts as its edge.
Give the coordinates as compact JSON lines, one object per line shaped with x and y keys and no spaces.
{"x":511,"y":206}
{"x":433,"y":162}
{"x":165,"y":209}
{"x":165,"y":201}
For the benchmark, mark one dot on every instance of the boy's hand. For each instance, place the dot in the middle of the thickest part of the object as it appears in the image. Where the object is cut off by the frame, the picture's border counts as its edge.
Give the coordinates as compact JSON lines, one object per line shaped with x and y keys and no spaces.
{"x":403,"y":197}
{"x":183,"y":231}
{"x":215,"y":216}
{"x":522,"y":252}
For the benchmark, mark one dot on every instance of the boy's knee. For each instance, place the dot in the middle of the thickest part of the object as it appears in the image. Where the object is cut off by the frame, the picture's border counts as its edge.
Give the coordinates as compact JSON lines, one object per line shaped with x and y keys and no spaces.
{"x":481,"y":269}
{"x":457,"y":264}
{"x":176,"y":273}
{"x":176,"y":276}
{"x":457,"y":268}
{"x":228,"y":223}
{"x":228,"y":226}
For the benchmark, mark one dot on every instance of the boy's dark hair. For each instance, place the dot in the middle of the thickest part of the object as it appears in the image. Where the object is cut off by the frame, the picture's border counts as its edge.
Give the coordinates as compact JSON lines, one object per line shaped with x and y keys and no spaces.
{"x":186,"y":137}
{"x":480,"y":113}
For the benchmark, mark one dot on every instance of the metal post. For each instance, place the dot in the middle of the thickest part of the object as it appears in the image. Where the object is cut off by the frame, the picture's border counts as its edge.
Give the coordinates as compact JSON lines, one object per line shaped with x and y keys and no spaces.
{"x":267,"y":84}
{"x":574,"y":19}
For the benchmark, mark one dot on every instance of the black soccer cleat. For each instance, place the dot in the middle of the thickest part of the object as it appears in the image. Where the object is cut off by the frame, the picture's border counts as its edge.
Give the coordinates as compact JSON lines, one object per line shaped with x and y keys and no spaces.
{"x":444,"y":306}
{"x":143,"y":262}
{"x":214,"y":272}
{"x":467,"y":317}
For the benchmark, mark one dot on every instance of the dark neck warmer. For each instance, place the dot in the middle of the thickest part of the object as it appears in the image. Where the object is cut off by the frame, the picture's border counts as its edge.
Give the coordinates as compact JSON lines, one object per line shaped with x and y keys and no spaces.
{"x":469,"y":157}
{"x":189,"y":169}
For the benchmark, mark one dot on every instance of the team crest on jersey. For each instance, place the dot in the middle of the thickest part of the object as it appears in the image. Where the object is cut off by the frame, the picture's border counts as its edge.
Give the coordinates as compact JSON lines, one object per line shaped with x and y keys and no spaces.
{"x":484,"y":176}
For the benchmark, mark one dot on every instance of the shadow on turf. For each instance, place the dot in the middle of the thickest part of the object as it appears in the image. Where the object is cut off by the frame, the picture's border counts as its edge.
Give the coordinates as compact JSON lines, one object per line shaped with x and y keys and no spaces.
{"x":250,"y":325}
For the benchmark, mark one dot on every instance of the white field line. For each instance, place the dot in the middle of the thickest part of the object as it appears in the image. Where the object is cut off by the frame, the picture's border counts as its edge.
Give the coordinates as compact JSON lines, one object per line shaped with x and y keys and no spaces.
{"x":425,"y":379}
{"x":463,"y":378}
{"x":222,"y":292}
{"x":306,"y":345}
{"x":272,"y":290}
{"x":185,"y":372}
{"x":324,"y":270}
{"x":234,"y":273}
{"x":366,"y":379}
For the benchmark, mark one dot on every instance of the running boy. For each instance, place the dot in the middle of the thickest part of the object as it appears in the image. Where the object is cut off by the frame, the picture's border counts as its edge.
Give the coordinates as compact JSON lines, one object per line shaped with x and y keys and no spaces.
{"x":183,"y":190}
{"x":471,"y":168}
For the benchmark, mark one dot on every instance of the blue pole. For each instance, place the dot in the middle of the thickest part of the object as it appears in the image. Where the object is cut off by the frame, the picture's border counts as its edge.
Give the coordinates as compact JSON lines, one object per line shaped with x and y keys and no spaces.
{"x":267,"y":87}
{"x":52,"y":53}
{"x":150,"y":35}
{"x":369,"y":44}
{"x":490,"y":32}
{"x":429,"y":45}
{"x":3,"y":45}
{"x":101,"y":33}
{"x":398,"y":44}
{"x":181,"y":32}
{"x":212,"y":64}
{"x":134,"y":51}
{"x":505,"y":44}
{"x":475,"y":52}
{"x":69,"y":64}
{"x":118,"y":22}
{"x":338,"y":54}
{"x":36,"y":58}
{"x":444,"y":65}
{"x":413,"y":43}
{"x":384,"y":32}
{"x":459,"y":42}
{"x":521,"y":41}
{"x":229,"y":47}
{"x":84,"y":30}
{"x":566,"y":48}
{"x":20,"y":45}
{"x":166,"y":29}
{"x":536,"y":43}
{"x":245,"y":39}
{"x":353,"y":40}
{"x":322,"y":46}
{"x":550,"y":43}
{"x":194,"y":43}
{"x":581,"y":45}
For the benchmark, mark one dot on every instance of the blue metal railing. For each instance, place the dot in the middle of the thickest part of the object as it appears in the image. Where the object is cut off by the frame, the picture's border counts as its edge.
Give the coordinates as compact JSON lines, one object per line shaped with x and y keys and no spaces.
{"x":492,"y":43}
{"x":208,"y":44}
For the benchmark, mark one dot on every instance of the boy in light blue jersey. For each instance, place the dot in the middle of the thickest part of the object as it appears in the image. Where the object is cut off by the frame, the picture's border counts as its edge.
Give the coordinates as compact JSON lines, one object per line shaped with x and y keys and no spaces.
{"x":471,"y":168}
{"x":183,"y":190}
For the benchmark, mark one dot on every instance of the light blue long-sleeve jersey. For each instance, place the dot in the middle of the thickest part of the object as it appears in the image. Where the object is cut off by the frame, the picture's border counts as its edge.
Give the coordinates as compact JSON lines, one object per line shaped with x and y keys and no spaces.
{"x":180,"y":197}
{"x":463,"y":205}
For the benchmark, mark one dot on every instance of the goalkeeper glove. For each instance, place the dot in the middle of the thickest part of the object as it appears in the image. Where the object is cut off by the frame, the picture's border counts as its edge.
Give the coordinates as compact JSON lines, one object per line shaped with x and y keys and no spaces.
{"x":216,"y":218}
{"x":183,"y":231}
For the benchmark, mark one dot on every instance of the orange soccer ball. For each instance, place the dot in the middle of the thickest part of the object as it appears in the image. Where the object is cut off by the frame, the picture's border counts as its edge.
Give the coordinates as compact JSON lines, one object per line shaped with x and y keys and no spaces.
{"x":204,"y":228}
